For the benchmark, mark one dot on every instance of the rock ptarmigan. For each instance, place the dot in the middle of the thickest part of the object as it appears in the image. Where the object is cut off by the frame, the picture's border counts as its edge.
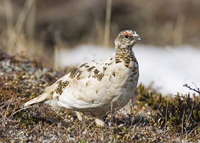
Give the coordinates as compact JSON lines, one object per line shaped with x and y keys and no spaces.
{"x":98,"y":86}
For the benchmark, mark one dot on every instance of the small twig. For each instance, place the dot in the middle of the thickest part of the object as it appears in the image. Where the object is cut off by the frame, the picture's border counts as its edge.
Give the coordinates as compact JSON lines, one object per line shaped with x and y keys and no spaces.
{"x":107,"y":23}
{"x":196,"y":89}
{"x":19,"y":110}
{"x":195,"y":128}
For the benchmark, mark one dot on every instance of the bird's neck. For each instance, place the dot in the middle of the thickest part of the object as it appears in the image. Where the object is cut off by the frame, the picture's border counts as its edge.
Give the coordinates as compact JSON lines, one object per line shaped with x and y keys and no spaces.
{"x":125,"y":55}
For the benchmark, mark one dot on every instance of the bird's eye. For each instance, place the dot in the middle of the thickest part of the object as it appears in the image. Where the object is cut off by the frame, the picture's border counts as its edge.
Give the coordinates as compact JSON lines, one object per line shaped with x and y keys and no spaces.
{"x":126,"y":36}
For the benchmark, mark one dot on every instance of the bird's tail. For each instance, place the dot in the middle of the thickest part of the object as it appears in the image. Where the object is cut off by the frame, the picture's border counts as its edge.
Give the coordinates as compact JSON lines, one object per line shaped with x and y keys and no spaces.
{"x":38,"y":99}
{"x":47,"y":95}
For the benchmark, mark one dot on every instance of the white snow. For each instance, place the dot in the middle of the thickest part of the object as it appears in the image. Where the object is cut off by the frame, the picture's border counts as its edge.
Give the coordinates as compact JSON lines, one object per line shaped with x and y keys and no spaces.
{"x":167,"y":68}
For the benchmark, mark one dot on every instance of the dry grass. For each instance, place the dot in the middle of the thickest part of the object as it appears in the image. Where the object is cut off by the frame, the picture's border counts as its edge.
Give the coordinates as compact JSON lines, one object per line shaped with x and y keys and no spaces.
{"x":150,"y":118}
{"x":17,"y":37}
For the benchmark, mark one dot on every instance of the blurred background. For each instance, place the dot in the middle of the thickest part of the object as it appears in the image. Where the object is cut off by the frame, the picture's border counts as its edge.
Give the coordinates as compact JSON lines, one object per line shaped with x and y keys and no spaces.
{"x":42,"y":28}
{"x":73,"y":22}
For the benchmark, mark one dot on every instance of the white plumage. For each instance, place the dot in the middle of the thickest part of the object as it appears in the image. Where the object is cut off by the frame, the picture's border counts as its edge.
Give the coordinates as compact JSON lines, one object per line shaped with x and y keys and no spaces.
{"x":98,"y":86}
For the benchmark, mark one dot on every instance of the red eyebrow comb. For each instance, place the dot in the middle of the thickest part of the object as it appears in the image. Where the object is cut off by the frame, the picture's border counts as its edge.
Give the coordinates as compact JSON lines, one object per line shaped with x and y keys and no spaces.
{"x":127,"y":34}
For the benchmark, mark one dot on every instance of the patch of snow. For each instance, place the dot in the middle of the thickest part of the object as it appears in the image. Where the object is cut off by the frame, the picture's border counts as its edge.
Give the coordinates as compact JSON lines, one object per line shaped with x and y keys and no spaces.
{"x":167,"y":68}
{"x":82,"y":54}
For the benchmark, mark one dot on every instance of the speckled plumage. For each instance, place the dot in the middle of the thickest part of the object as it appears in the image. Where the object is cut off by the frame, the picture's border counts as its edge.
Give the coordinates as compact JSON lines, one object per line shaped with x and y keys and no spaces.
{"x":98,"y":86}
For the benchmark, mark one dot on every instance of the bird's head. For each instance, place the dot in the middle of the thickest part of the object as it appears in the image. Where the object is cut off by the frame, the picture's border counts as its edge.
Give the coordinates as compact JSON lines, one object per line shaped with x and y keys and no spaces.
{"x":127,"y":39}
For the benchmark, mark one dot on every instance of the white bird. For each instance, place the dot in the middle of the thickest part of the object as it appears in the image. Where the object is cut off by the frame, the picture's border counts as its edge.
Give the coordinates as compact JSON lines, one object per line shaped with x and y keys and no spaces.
{"x":98,"y":86}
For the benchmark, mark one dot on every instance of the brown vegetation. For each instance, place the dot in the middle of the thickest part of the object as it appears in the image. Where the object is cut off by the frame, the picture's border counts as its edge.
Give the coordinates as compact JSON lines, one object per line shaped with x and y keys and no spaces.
{"x":150,"y":118}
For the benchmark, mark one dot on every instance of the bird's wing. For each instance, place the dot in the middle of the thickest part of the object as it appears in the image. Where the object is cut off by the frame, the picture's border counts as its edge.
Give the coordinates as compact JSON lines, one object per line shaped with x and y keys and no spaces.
{"x":89,"y":85}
